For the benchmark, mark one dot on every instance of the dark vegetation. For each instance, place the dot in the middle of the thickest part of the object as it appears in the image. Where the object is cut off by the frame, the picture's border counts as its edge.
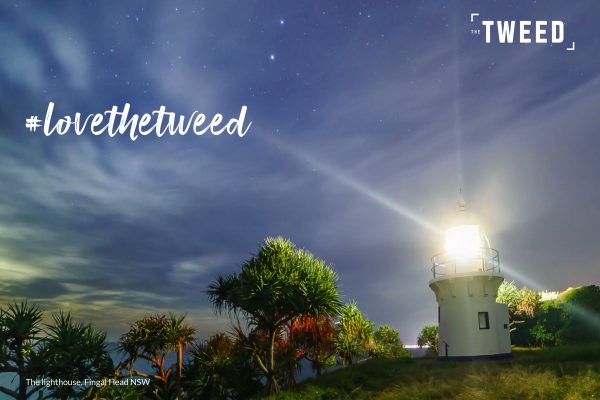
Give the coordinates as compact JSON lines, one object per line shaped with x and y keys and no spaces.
{"x":285,"y":306}
{"x":573,"y":317}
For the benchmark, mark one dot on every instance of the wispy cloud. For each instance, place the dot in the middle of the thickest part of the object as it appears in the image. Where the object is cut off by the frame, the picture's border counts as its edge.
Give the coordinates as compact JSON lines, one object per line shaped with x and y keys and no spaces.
{"x":356,"y":116}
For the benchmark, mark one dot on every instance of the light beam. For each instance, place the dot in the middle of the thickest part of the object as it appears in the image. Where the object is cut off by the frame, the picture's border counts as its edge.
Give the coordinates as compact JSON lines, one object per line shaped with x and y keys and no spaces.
{"x":354,"y":184}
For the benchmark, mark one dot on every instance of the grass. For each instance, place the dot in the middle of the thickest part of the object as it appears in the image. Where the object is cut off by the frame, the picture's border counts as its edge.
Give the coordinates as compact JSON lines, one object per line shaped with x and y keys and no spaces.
{"x":568,"y":372}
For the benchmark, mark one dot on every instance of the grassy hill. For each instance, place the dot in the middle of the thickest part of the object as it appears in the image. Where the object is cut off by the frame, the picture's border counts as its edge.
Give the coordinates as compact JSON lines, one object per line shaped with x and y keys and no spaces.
{"x":567,"y":372}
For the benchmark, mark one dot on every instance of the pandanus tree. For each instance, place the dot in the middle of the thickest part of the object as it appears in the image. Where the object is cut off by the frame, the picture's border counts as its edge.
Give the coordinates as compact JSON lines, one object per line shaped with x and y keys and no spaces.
{"x":522,"y":304}
{"x":180,"y":335}
{"x":288,"y":355}
{"x":64,"y":349}
{"x":278,"y":284}
{"x":315,"y":336}
{"x":74,"y":351}
{"x":152,"y":339}
{"x":429,"y":336}
{"x":354,"y":336}
{"x":20,"y":346}
{"x":207,"y":373}
{"x":220,"y":368}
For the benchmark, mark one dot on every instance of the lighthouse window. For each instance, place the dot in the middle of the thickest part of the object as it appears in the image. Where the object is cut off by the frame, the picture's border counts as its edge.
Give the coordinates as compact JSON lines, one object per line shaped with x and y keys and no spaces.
{"x":484,"y":320}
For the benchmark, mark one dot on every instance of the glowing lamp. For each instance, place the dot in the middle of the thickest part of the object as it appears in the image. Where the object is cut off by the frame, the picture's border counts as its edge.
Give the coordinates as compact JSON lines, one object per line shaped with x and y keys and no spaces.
{"x":463,"y":241}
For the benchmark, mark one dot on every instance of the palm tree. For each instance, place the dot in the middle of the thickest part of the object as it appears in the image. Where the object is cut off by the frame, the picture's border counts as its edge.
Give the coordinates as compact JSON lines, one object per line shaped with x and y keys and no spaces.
{"x":20,"y":344}
{"x":355,"y":334}
{"x":277,"y":284}
{"x":429,"y":336}
{"x":63,"y":349}
{"x":180,"y":334}
{"x":152,"y":339}
{"x":220,"y":369}
{"x":75,"y":351}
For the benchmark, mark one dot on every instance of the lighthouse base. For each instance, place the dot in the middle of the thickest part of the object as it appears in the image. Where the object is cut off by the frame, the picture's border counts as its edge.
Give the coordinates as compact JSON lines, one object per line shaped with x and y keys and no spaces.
{"x":502,"y":356}
{"x":472,"y":324}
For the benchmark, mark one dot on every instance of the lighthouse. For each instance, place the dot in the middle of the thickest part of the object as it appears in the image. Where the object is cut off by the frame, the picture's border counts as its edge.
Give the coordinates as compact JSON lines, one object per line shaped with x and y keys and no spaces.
{"x":466,"y":278}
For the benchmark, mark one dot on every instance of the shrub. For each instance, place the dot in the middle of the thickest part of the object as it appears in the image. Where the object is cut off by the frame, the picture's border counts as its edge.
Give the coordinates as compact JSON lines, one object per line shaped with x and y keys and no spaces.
{"x":429,"y":336}
{"x":220,"y":369}
{"x":581,"y":312}
{"x":388,"y":344}
{"x":548,"y":322}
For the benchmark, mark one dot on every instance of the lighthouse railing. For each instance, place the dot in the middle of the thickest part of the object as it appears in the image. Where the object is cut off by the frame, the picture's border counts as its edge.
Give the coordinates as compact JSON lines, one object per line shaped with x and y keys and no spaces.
{"x":485,"y":259}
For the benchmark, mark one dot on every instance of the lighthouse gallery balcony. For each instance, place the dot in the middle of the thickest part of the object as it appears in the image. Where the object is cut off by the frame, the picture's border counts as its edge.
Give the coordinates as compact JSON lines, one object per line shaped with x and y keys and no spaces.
{"x":485,"y":259}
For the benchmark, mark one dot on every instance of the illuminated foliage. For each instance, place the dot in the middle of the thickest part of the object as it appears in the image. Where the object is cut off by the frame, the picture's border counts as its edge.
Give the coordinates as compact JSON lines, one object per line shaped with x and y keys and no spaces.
{"x":354,"y":336}
{"x":278,"y":284}
{"x":429,"y":336}
{"x":388,"y":344}
{"x":581,"y":314}
{"x":508,"y":293}
{"x":315,"y":336}
{"x":522,"y":304}
{"x":529,"y":302}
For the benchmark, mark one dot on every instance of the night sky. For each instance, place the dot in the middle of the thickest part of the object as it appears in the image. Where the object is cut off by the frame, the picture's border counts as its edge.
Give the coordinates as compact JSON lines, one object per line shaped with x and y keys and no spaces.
{"x":367,"y":117}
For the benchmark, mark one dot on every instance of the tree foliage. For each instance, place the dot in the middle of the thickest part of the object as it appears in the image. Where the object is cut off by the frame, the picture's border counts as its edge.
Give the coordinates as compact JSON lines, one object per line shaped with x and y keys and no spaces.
{"x":508,"y":293}
{"x":522,"y":304}
{"x":315,"y":336}
{"x":278,"y":284}
{"x":152,"y":339}
{"x":63,"y":349}
{"x":545,"y":327}
{"x":573,"y":317}
{"x":74,"y":351}
{"x":220,"y":369}
{"x":429,"y":336}
{"x":388,"y":343}
{"x":528,"y":304}
{"x":20,"y":345}
{"x":581,"y":315}
{"x":354,"y":336}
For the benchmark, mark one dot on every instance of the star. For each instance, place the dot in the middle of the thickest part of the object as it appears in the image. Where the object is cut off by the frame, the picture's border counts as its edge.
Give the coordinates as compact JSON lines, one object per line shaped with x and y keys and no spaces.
{"x":282,"y":22}
{"x":272,"y":57}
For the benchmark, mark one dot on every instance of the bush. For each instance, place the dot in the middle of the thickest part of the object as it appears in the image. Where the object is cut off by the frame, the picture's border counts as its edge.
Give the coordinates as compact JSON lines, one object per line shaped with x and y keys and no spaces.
{"x":220,"y":369}
{"x":388,"y":344}
{"x":429,"y":336}
{"x":548,"y":322}
{"x":574,"y":317}
{"x":581,"y":312}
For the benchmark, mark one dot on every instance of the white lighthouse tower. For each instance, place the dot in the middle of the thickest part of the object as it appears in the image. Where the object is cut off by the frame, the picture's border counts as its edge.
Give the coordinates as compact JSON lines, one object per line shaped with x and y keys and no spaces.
{"x":466,"y":277}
